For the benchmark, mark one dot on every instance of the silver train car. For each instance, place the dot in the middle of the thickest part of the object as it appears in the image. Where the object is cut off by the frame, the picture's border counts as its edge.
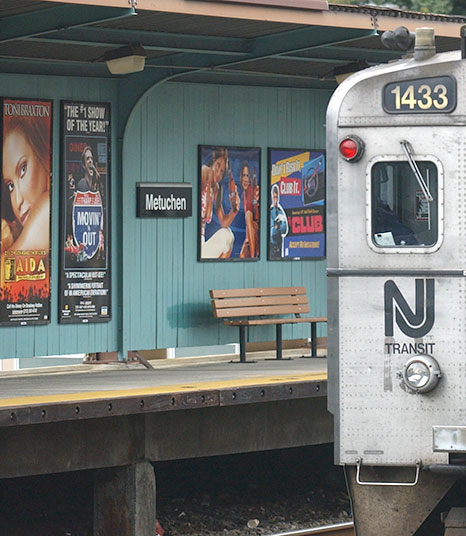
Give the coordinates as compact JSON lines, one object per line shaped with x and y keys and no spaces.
{"x":396,"y":217}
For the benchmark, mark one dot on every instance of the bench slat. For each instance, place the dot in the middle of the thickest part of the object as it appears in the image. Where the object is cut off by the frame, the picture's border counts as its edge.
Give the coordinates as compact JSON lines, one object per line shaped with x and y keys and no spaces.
{"x":258,"y":311}
{"x":248,"y":292}
{"x":273,"y":321}
{"x":244,"y":307}
{"x":251,"y":302}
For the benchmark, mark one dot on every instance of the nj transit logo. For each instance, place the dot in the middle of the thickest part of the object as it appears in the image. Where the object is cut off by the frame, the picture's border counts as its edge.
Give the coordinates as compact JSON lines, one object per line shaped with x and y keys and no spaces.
{"x":415,"y":323}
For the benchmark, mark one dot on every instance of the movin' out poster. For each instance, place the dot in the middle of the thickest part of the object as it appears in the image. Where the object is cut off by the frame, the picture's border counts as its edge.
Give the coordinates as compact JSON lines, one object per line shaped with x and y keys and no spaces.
{"x":296,"y":204}
{"x":25,"y":212}
{"x":85,"y":212}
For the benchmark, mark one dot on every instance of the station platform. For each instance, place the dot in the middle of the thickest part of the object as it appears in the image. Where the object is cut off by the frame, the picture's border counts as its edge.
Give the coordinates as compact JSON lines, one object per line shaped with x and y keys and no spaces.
{"x":90,"y":416}
{"x":88,"y":391}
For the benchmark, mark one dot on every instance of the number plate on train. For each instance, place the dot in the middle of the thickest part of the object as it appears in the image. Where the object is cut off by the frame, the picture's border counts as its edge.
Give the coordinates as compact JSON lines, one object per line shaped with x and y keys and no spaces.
{"x":424,"y":95}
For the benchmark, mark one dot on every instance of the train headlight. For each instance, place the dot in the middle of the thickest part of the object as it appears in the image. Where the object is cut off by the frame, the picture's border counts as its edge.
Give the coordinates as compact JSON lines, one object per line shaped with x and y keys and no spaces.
{"x":421,"y":373}
{"x":351,"y":148}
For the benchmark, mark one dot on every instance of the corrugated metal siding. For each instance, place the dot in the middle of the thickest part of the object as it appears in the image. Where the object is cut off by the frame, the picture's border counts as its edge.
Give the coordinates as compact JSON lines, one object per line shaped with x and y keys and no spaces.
{"x":54,"y":338}
{"x":165,"y":289}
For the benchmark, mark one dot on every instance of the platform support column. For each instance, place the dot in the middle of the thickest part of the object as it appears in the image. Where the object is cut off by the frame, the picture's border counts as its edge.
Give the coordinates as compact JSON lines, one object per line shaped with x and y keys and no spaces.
{"x":124,"y":500}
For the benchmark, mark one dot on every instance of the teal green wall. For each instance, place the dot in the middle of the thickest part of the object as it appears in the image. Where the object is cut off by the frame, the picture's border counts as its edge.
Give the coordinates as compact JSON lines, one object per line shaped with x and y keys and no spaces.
{"x":165,"y":289}
{"x":53,"y":339}
{"x":160,"y":292}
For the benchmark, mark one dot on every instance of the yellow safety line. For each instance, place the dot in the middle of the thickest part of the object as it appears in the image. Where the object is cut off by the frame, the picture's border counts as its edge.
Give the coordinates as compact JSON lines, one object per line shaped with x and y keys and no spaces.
{"x":162,"y":389}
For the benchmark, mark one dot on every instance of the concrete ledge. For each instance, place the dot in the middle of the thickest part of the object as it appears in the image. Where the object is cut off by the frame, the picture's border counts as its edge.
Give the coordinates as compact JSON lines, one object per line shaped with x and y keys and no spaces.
{"x":117,"y":441}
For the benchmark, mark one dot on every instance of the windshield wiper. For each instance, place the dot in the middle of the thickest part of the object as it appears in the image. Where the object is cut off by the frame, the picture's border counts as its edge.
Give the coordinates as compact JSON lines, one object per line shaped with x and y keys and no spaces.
{"x":408,"y":150}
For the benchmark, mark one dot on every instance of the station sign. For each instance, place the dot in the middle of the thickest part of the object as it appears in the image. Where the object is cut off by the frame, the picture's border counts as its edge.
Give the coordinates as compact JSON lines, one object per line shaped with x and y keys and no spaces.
{"x":164,"y":200}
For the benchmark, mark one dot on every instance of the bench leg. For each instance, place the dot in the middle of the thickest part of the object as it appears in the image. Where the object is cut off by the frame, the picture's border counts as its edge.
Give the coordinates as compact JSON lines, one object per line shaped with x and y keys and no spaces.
{"x":279,"y":341}
{"x":242,"y":344}
{"x":313,"y":339}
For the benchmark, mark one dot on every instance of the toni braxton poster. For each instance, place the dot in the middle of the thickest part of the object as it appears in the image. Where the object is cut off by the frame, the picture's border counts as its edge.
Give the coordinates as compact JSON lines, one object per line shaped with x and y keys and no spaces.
{"x":85,"y":212}
{"x":25,"y":212}
{"x":296,"y":204}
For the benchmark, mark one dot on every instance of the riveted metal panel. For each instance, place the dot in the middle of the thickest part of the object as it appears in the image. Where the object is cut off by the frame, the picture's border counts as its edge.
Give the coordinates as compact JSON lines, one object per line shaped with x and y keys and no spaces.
{"x":372,"y":333}
{"x":380,"y":420}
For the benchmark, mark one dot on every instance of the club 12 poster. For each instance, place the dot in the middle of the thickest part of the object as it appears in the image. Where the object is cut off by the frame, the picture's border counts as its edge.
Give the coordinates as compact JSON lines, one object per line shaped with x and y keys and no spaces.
{"x":296,"y":204}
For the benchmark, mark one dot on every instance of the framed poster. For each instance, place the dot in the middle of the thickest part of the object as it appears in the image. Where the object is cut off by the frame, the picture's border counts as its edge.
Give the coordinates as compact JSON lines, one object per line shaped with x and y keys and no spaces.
{"x":25,"y":211}
{"x":229,"y":209}
{"x":296,"y":201}
{"x":85,"y":293}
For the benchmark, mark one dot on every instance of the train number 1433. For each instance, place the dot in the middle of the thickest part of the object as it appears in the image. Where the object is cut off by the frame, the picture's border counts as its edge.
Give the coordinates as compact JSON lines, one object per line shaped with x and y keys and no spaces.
{"x":427,"y":95}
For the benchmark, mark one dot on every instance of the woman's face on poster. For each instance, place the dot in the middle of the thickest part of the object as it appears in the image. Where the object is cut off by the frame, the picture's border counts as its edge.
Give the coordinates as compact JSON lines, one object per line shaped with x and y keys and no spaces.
{"x":25,"y":177}
{"x":245,"y":178}
{"x":218,"y":167}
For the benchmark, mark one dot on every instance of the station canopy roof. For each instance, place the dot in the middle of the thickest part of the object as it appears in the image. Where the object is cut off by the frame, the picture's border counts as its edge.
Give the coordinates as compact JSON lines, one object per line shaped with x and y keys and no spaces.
{"x":290,"y":43}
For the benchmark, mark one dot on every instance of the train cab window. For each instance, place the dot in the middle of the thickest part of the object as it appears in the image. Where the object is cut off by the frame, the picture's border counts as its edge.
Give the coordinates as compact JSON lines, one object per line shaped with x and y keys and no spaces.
{"x":404,"y":205}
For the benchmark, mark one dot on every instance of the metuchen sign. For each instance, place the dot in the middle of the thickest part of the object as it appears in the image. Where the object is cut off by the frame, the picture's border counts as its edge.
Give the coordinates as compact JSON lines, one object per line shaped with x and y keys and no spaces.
{"x":164,"y":200}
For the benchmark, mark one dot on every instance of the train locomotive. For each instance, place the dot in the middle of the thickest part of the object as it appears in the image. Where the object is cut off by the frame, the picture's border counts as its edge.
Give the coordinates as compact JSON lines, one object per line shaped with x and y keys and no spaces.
{"x":396,"y":219}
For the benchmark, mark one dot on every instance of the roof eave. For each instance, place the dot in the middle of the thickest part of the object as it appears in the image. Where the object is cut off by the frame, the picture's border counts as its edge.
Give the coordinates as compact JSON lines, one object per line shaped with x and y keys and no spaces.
{"x":381,"y":20}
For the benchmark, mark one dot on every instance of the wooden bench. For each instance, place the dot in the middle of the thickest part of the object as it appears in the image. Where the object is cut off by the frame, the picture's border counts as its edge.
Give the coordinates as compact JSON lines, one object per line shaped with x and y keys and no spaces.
{"x":244,"y":307}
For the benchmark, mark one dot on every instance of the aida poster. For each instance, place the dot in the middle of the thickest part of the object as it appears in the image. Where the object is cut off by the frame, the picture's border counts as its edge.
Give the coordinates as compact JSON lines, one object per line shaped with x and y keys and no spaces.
{"x":229,"y":210}
{"x":296,"y":200}
{"x":85,"y":212}
{"x":25,"y":212}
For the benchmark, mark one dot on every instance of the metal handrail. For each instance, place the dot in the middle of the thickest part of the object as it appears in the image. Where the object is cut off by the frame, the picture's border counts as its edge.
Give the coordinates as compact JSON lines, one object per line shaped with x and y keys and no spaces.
{"x":375,"y":483}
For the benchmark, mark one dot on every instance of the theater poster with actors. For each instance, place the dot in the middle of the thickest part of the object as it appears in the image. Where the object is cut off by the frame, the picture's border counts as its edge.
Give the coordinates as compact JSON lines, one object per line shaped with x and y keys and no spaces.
{"x":25,"y":211}
{"x":85,"y":212}
{"x":229,"y":210}
{"x":296,"y":204}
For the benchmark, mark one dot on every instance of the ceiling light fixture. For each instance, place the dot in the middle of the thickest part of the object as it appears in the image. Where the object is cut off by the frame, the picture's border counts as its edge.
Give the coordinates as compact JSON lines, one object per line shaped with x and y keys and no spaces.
{"x":126,"y":60}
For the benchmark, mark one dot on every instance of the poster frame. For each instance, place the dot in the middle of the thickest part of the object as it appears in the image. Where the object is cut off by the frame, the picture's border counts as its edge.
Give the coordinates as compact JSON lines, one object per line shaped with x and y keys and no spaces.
{"x":258,"y":150}
{"x":108,"y":206}
{"x":269,"y":202}
{"x":51,"y":163}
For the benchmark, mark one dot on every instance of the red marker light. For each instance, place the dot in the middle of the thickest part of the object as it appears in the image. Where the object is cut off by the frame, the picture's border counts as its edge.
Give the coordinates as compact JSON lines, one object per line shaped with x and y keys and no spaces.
{"x":351,"y":148}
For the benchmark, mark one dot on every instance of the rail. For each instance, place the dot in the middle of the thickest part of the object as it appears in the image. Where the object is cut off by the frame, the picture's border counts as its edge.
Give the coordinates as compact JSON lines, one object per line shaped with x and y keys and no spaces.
{"x":339,"y":529}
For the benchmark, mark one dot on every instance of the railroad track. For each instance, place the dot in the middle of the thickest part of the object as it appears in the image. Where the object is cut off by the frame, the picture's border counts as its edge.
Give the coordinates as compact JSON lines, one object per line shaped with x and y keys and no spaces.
{"x":340,"y":529}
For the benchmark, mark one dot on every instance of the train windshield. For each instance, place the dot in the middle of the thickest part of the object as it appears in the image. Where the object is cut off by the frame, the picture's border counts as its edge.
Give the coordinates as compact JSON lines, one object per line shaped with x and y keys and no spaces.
{"x":402,"y":214}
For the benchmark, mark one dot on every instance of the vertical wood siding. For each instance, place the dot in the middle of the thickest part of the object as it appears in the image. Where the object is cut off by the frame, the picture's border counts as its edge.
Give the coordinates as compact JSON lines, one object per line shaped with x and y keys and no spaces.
{"x":165,"y":289}
{"x":54,"y":338}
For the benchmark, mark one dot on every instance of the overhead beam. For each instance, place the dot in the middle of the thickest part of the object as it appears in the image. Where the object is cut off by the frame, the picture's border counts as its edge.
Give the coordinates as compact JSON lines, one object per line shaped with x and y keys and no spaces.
{"x":226,"y":46}
{"x":162,"y":41}
{"x":232,"y":77}
{"x":35,"y":66}
{"x":281,"y":43}
{"x":294,"y":41}
{"x":342,"y":54}
{"x":265,"y":74}
{"x":57,"y":18}
{"x":220,"y":46}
